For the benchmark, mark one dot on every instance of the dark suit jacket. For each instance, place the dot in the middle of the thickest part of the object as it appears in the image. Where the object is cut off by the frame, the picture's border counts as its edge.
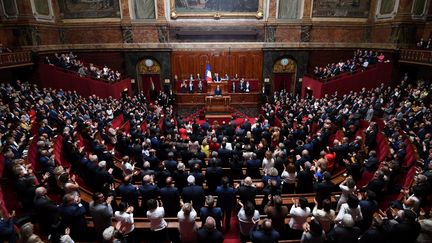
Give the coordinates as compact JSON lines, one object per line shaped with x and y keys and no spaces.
{"x":73,"y":216}
{"x":194,"y":194}
{"x":148,"y":191}
{"x":323,"y":191}
{"x":304,"y":182}
{"x":180,"y":178}
{"x":206,"y":236}
{"x":171,"y":200}
{"x":218,"y":92}
{"x":47,"y":213}
{"x":344,"y":235}
{"x":224,"y":155}
{"x":213,"y":176}
{"x":129,"y":194}
{"x":226,"y":197}
{"x":247,"y":193}
{"x":262,"y":237}
{"x":253,"y":168}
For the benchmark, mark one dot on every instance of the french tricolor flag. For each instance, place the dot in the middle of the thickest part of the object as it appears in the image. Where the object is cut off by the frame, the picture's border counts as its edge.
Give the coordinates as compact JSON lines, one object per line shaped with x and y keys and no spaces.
{"x":208,"y":74}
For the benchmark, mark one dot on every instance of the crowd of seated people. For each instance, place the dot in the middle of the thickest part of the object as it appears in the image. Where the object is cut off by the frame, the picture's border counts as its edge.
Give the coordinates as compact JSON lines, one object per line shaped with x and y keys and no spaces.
{"x":423,"y":44}
{"x":360,"y":61}
{"x":168,"y":167}
{"x":70,"y":62}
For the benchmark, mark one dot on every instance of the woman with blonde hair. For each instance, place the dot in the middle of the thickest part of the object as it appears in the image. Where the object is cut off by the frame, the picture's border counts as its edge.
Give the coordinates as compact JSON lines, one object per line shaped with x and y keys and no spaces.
{"x":205,"y":148}
{"x":268,"y":162}
{"x":187,"y":225}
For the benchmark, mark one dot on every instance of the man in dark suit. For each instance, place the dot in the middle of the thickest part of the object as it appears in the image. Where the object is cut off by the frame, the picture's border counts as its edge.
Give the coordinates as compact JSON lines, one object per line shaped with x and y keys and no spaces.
{"x":247,"y":126}
{"x":193,"y":193}
{"x":371,"y":163}
{"x":128,"y":192}
{"x":247,"y":191}
{"x":194,"y":160}
{"x":102,"y":175}
{"x":73,"y":213}
{"x":170,"y":163}
{"x":264,"y":233}
{"x":180,"y":177}
{"x":253,"y":167}
{"x":218,"y":91}
{"x":209,"y":233}
{"x":213,"y":176}
{"x":148,"y":190}
{"x":324,"y":189}
{"x":198,"y":175}
{"x":217,"y":78}
{"x":242,"y":85}
{"x":47,"y":212}
{"x":226,"y":198}
{"x":170,"y":198}
{"x":224,"y":154}
{"x":345,"y":233}
{"x":407,"y":230}
{"x":305,"y":179}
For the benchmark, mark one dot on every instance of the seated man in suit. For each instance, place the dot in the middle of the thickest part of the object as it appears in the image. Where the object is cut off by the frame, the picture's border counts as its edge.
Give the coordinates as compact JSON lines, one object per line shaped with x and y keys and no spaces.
{"x":190,"y":87}
{"x":183,"y":87}
{"x":218,"y":91}
{"x":242,"y":85}
{"x":217,"y":78}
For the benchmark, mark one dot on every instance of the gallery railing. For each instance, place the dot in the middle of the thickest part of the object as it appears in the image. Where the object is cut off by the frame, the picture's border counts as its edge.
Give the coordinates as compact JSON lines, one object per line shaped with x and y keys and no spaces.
{"x":15,"y":59}
{"x":416,"y":56}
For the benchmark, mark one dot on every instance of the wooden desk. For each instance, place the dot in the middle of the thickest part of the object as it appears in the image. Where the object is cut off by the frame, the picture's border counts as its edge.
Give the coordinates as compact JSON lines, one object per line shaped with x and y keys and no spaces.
{"x":211,"y":87}
{"x":218,"y":103}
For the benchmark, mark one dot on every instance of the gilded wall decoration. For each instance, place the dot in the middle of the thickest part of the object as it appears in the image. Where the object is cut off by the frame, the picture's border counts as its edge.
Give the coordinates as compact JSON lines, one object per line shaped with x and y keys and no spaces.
{"x":148,"y":66}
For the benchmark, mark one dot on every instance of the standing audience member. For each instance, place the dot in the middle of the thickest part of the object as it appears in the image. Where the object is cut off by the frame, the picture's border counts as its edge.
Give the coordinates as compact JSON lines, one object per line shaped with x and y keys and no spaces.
{"x":347,"y":187}
{"x":264,"y":233}
{"x":170,"y":198}
{"x":209,"y":233}
{"x":352,"y":208}
{"x":158,"y":224}
{"x":299,"y":213}
{"x":125,"y":222}
{"x":248,"y":216}
{"x":73,"y":213}
{"x":193,"y":193}
{"x":346,"y":232}
{"x":187,"y":226}
{"x":277,"y":213}
{"x":210,"y":210}
{"x":101,"y":212}
{"x":226,"y":198}
{"x":313,"y":232}
{"x":325,"y":215}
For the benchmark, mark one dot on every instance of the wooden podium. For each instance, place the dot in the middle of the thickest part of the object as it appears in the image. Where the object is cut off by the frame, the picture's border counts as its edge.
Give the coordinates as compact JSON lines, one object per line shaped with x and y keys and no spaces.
{"x":211,"y":87}
{"x":218,"y":104}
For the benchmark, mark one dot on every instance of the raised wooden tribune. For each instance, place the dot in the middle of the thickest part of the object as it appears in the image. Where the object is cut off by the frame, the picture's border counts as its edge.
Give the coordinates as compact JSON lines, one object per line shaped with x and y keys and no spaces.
{"x":218,"y":104}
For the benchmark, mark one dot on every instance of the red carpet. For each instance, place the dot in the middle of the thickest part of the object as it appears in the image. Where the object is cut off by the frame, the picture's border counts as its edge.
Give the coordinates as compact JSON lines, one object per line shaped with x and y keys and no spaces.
{"x":232,"y":236}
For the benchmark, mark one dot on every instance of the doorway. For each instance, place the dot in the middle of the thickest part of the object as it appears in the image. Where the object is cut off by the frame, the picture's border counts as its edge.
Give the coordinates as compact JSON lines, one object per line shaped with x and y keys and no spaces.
{"x":149,"y":81}
{"x":284,"y":74}
{"x":282,"y":81}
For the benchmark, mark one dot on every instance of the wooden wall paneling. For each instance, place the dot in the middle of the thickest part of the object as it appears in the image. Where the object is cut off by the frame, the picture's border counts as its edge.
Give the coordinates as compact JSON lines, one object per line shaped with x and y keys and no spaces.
{"x":245,"y":64}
